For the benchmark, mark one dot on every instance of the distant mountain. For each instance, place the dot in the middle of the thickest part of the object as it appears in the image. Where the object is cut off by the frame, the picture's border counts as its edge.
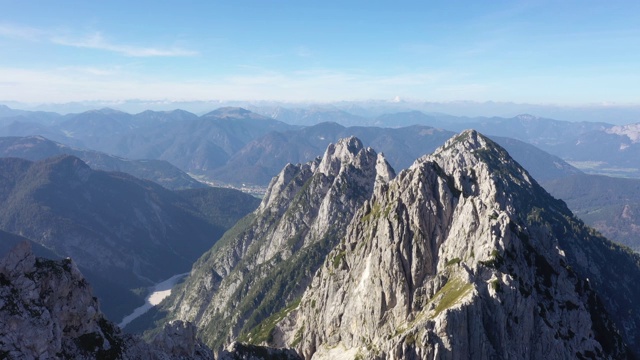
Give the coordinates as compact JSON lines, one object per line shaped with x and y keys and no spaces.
{"x":8,"y":115}
{"x":542,"y":165}
{"x":259,"y":160}
{"x":152,"y":118}
{"x":222,"y":206}
{"x":610,"y":205}
{"x":213,"y":145}
{"x":37,"y":148}
{"x":611,"y":113}
{"x":97,"y":127}
{"x":310,"y":116}
{"x":593,"y":147}
{"x":603,"y":152}
{"x":126,"y":232}
{"x":196,"y":145}
{"x":597,"y":148}
{"x":529,"y":128}
{"x":407,"y":118}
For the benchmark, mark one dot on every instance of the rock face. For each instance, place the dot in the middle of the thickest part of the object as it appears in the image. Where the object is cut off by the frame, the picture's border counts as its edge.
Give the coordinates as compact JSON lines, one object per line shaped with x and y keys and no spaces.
{"x":178,"y":340}
{"x":465,"y":256}
{"x":238,"y":351}
{"x":47,"y":310}
{"x":265,"y":262}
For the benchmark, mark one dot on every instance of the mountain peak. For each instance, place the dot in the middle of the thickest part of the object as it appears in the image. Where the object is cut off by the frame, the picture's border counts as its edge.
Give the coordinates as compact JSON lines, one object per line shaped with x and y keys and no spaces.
{"x":344,"y":151}
{"x":468,"y":140}
{"x":527,"y":117}
{"x":105,"y":111}
{"x":229,"y":112}
{"x":475,"y":155}
{"x":67,"y":164}
{"x":384,"y":171}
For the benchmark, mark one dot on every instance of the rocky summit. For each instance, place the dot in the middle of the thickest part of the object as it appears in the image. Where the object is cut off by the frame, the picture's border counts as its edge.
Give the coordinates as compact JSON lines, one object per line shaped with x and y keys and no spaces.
{"x":48,"y":311}
{"x":465,"y":256}
{"x":262,"y":265}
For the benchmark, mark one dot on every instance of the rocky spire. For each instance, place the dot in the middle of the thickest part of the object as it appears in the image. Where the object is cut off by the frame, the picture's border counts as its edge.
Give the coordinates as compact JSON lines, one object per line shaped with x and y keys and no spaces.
{"x":266,"y":261}
{"x":337,"y":155}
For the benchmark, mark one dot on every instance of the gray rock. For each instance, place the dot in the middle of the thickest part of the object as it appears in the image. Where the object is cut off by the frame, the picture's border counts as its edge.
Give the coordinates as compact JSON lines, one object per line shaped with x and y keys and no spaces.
{"x":463,"y":256}
{"x":267,"y":260}
{"x":47,"y":310}
{"x":238,"y":351}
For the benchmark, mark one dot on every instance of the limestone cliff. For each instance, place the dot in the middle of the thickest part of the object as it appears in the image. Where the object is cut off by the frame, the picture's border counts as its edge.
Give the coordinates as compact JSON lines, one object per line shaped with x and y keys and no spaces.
{"x":465,"y":256}
{"x":47,"y":310}
{"x":265,"y":262}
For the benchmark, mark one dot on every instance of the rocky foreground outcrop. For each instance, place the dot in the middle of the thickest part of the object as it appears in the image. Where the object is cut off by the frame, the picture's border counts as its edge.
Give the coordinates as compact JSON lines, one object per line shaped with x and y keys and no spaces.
{"x":465,"y":256}
{"x":239,"y":351}
{"x":48,"y":311}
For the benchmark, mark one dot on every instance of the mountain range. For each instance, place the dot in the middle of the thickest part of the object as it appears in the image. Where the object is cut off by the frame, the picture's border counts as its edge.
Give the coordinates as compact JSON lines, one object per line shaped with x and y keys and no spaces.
{"x":461,"y":255}
{"x":367,"y":109}
{"x":608,"y":204}
{"x":215,"y":143}
{"x":241,"y":147}
{"x":237,"y":146}
{"x":36,"y":148}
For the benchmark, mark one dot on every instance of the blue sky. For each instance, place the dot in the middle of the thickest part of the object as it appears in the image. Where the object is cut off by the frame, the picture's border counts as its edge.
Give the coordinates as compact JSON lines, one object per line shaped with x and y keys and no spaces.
{"x":551,"y":52}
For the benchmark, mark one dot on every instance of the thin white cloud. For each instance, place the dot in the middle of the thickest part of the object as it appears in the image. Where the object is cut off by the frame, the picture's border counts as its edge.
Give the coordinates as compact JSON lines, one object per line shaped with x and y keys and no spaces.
{"x":92,"y":41}
{"x":19,"y":32}
{"x":303,"y":52}
{"x":98,"y":42}
{"x":111,"y":83}
{"x":92,"y":70}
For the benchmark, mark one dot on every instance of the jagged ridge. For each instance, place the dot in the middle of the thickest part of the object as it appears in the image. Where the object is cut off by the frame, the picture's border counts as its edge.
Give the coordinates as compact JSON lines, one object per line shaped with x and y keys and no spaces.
{"x":266,"y":261}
